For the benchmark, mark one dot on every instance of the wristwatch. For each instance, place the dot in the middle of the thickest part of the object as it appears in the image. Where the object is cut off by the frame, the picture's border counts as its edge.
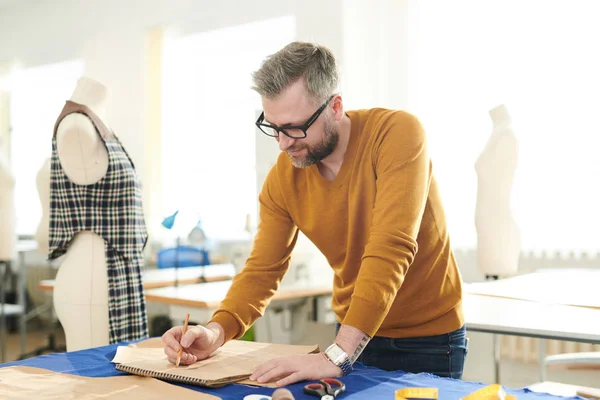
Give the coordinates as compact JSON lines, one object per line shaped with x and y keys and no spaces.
{"x":338,"y":357}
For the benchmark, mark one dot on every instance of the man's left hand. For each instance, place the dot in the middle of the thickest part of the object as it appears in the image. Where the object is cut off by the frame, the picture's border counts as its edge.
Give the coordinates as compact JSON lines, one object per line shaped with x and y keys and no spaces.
{"x":295,"y":369}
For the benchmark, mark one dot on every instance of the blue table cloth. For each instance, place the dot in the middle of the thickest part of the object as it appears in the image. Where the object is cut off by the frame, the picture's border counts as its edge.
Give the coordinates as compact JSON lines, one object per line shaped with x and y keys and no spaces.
{"x":362,"y":383}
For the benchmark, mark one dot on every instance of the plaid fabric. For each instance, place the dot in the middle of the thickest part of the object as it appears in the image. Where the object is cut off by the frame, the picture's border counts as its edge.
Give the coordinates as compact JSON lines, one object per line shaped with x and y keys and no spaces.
{"x":112,"y":208}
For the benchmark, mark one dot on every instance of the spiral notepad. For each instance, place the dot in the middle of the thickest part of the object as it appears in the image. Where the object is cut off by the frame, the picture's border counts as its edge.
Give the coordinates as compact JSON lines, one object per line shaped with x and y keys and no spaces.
{"x":232,"y":363}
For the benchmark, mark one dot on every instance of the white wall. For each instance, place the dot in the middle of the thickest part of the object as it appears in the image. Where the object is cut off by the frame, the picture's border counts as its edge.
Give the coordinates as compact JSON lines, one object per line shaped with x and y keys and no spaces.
{"x":376,"y":68}
{"x":110,"y":36}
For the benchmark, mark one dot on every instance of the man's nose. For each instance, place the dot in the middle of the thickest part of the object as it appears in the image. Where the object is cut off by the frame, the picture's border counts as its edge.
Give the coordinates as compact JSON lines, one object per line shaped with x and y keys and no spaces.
{"x":285,"y":142}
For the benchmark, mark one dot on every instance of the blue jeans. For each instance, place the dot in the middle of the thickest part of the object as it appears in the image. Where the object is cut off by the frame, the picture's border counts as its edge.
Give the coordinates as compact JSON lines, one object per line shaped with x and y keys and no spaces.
{"x":441,"y":355}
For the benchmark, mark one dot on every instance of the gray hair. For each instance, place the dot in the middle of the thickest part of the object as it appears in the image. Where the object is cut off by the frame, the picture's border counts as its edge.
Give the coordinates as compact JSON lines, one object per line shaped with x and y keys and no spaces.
{"x":314,"y":63}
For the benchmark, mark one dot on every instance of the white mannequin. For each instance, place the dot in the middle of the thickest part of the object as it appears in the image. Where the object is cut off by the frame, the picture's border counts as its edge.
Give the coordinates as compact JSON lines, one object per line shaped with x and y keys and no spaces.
{"x":42,"y":182}
{"x":8,"y":233}
{"x":498,"y":236}
{"x":81,"y":288}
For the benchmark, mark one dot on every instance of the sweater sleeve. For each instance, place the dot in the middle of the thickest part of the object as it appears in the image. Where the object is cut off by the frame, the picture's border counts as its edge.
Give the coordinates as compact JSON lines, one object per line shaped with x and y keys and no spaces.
{"x":403,"y":173}
{"x":252,"y":288}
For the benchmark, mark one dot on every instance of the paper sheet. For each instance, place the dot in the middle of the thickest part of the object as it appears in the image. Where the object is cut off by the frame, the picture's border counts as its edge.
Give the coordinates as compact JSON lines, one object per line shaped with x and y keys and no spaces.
{"x":233,"y":362}
{"x":25,"y":383}
{"x":128,"y":354}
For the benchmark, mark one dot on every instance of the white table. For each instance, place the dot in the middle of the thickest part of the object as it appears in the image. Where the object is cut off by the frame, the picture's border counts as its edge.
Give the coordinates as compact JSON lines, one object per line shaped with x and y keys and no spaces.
{"x":562,"y":304}
{"x":483,"y":312}
{"x":571,"y":287}
{"x":532,"y":319}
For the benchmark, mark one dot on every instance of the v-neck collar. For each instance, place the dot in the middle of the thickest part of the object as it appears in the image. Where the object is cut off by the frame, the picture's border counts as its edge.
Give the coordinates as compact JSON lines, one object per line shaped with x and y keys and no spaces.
{"x":346,"y":163}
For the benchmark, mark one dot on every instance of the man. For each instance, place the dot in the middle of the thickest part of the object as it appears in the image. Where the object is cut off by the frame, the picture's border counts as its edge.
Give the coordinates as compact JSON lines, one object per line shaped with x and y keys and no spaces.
{"x":359,"y":185}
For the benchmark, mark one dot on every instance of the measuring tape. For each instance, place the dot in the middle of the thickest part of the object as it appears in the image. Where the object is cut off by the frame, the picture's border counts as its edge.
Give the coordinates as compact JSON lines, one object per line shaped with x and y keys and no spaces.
{"x":491,"y":392}
{"x":494,"y":391}
{"x":416,"y":393}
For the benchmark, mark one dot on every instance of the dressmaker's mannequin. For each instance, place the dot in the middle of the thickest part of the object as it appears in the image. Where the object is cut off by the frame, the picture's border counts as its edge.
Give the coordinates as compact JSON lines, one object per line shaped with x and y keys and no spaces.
{"x":96,"y":221}
{"x":498,"y":236}
{"x":81,"y":288}
{"x":8,"y":235}
{"x":42,"y":182}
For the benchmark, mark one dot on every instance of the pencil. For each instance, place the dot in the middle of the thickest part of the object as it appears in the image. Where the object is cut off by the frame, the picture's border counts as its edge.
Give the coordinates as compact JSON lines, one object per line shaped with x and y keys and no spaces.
{"x":185,"y":325}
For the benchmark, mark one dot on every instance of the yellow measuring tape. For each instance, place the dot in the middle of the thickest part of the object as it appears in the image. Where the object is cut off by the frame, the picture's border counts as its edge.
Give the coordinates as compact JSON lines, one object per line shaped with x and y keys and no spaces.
{"x":491,"y":392}
{"x":416,"y":393}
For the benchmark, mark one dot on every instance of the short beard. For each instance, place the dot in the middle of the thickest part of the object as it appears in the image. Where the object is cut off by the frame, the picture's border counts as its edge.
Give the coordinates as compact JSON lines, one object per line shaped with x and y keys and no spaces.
{"x":321,"y":150}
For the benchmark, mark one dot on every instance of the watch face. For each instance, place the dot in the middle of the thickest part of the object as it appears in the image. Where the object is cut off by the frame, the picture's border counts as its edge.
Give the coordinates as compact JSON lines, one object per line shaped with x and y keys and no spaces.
{"x":335,"y":353}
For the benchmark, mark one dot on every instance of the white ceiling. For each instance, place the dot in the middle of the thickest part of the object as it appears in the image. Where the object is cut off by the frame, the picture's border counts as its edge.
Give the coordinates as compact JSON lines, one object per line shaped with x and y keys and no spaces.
{"x":6,"y":4}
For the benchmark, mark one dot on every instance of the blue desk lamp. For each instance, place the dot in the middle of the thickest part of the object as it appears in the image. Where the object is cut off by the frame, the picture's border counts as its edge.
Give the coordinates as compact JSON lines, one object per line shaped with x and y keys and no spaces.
{"x":170,"y":220}
{"x":168,"y":223}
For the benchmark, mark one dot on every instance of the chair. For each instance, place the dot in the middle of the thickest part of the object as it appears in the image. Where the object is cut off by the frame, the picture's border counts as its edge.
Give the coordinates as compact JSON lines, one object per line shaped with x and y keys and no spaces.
{"x":584,"y":360}
{"x":182,"y":256}
{"x":11,"y":310}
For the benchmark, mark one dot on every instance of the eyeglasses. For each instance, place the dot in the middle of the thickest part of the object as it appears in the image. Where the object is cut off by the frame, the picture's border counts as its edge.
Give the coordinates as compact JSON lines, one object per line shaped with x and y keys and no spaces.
{"x":292,"y":131}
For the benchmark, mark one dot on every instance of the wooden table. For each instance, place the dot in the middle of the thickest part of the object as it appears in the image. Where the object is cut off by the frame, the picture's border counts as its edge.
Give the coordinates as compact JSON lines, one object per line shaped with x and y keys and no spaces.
{"x":201,"y":301}
{"x":165,"y":277}
{"x":482,"y":313}
{"x":209,"y":295}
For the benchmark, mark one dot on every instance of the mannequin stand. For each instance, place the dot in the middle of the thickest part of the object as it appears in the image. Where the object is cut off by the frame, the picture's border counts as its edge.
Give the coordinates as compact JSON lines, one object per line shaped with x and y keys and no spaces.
{"x":3,"y":268}
{"x":51,"y":346}
{"x":495,"y":341}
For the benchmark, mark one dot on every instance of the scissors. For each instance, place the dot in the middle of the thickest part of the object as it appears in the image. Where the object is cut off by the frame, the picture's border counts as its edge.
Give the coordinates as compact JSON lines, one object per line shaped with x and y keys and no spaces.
{"x":327,"y":389}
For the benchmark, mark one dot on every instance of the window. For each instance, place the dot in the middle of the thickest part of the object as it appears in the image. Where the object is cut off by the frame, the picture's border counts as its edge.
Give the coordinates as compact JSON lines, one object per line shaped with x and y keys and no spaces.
{"x":37,"y":98}
{"x":208,"y":153}
{"x":539,"y":58}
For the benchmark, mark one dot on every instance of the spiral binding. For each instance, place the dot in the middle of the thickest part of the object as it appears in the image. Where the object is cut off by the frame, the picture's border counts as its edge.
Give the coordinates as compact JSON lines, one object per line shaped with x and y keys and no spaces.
{"x":169,"y":377}
{"x":165,"y":376}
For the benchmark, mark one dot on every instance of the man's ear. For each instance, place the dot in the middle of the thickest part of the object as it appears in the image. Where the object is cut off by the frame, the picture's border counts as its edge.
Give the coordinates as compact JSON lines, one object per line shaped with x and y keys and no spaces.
{"x":338,"y":107}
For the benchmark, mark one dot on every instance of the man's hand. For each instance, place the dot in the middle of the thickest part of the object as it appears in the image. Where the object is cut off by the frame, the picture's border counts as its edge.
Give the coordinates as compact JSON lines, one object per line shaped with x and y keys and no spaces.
{"x":295,"y":369}
{"x":198,"y":342}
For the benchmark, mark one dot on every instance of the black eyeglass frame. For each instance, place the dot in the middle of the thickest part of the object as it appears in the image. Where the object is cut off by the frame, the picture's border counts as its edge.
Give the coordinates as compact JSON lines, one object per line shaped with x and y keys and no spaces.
{"x":304,"y":127}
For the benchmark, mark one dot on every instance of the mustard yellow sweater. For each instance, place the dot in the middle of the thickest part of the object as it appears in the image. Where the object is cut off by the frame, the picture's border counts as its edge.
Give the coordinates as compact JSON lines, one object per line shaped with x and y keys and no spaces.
{"x":380,"y":224}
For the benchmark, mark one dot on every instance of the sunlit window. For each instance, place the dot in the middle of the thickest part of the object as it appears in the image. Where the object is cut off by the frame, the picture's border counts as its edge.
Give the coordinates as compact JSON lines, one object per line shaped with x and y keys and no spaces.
{"x":208,"y":154}
{"x":37,"y":97}
{"x":541,"y":59}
